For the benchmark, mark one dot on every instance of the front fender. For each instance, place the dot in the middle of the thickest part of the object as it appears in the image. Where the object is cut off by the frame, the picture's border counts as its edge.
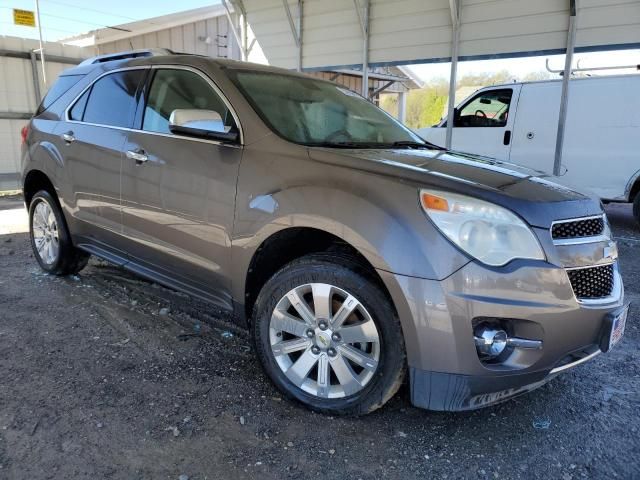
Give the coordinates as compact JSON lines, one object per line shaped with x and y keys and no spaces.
{"x":394,"y":237}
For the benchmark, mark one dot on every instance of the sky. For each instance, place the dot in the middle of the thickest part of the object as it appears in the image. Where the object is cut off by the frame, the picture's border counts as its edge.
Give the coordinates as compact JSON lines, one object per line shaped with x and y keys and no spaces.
{"x":64,"y":18}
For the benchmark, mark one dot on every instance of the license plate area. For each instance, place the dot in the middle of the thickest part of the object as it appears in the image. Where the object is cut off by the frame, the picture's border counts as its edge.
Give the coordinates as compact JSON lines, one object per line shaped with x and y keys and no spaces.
{"x":614,"y":324}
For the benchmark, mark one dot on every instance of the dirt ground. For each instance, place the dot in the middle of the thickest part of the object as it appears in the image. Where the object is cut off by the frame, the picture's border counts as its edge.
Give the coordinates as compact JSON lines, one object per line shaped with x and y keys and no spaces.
{"x":105,"y":375}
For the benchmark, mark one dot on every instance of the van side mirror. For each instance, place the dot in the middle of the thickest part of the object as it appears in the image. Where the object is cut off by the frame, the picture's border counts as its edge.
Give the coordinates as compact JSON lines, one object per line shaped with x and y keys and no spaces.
{"x":201,"y":123}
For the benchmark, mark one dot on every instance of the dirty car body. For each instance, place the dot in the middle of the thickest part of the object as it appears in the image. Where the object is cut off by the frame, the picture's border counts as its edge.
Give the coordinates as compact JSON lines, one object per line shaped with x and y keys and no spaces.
{"x":231,"y":216}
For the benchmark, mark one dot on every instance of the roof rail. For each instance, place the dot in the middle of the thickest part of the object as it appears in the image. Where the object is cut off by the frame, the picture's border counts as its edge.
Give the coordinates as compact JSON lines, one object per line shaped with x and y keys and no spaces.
{"x":109,"y":57}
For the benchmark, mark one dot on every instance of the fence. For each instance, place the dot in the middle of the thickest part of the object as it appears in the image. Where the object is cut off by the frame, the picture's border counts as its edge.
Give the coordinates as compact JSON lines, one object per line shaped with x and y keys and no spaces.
{"x":21,"y":88}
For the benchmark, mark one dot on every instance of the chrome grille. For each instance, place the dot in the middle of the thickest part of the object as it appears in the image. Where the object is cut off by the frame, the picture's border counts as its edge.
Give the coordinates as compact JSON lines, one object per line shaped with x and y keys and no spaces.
{"x":592,"y":282}
{"x":588,"y":227}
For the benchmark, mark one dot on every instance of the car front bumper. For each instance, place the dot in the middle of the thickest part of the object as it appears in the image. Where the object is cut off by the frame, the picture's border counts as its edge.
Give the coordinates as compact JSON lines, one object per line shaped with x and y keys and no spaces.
{"x":438,"y":320}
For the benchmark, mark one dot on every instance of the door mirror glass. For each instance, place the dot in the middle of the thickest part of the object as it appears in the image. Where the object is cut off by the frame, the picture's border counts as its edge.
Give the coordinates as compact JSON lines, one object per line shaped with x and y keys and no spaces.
{"x":201,"y":123}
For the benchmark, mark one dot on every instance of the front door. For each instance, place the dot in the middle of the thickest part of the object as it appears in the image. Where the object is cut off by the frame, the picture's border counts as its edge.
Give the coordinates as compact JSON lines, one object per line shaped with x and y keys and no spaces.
{"x":483,"y":124}
{"x":178,"y":192}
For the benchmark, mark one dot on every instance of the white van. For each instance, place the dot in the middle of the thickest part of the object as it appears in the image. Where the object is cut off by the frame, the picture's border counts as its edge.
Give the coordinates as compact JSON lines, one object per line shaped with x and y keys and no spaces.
{"x":518,"y":123}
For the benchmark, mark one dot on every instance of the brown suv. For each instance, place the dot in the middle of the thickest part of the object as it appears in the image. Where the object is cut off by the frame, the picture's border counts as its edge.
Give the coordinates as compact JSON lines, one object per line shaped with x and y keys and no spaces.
{"x":352,"y":249}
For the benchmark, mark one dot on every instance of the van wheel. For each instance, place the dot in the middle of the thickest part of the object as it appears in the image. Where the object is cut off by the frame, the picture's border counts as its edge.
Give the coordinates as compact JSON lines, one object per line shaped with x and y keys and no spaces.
{"x":327,"y":336}
{"x":636,"y":207}
{"x":50,"y":238}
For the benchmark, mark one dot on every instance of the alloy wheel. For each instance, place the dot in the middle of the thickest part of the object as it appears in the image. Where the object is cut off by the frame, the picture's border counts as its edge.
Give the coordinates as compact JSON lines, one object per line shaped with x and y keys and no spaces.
{"x":324,"y":340}
{"x":45,"y":233}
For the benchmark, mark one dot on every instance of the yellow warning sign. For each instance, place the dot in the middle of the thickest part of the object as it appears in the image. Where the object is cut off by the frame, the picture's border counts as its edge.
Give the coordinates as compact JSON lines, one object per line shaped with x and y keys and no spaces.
{"x":24,"y":17}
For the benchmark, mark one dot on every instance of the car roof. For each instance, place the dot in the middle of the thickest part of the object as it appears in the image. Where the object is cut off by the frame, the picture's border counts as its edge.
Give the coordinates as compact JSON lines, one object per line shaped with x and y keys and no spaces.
{"x":164,"y":56}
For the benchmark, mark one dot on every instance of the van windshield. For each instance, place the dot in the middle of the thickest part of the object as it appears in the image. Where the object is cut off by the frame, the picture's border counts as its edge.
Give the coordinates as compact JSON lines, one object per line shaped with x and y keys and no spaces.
{"x":319,"y":113}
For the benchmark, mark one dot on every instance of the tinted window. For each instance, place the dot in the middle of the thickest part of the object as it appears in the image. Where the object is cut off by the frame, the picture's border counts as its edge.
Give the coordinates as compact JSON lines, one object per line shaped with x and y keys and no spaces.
{"x":59,"y":88}
{"x":487,"y":109}
{"x":180,"y":89}
{"x":316,"y":112}
{"x":111,"y":100}
{"x":77,"y":111}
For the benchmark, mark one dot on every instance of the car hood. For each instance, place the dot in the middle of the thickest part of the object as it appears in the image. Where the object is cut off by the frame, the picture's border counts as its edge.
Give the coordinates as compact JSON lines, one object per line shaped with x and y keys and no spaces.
{"x":531,"y":194}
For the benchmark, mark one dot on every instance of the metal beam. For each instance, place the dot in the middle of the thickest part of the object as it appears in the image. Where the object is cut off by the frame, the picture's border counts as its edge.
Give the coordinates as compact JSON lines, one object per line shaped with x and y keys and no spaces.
{"x":34,"y":76}
{"x":15,"y":115}
{"x":233,"y":28}
{"x":50,"y":58}
{"x":356,"y":4}
{"x":44,"y":70}
{"x":363,"y":16}
{"x":300,"y":41}
{"x":402,"y":106}
{"x":564,"y":99}
{"x":454,"y":6}
{"x":381,"y":89}
{"x":292,"y":25}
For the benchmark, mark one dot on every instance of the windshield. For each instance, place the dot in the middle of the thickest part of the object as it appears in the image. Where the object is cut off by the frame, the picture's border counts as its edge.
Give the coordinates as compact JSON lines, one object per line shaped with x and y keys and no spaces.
{"x":316,"y":112}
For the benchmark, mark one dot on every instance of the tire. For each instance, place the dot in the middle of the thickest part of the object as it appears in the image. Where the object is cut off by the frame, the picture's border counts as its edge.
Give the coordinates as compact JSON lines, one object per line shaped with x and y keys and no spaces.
{"x":50,"y":239}
{"x":636,"y":207}
{"x":381,"y":364}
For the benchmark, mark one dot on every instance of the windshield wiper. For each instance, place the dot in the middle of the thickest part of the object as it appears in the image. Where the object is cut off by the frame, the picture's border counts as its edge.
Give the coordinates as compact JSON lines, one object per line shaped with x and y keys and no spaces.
{"x":412,"y":144}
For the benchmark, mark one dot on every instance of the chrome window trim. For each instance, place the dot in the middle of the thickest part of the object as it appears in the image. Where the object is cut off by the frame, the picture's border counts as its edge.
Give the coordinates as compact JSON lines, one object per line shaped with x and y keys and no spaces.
{"x":580,"y":240}
{"x":170,"y":135}
{"x":616,"y":291}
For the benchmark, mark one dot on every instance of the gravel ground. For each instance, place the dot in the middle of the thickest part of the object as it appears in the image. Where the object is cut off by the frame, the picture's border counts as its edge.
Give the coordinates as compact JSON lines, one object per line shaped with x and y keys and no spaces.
{"x":105,"y":375}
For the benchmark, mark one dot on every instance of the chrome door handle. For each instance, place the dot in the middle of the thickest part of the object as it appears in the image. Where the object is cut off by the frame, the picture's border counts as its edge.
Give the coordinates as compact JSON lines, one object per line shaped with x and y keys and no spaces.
{"x":139,"y":156}
{"x":68,"y":137}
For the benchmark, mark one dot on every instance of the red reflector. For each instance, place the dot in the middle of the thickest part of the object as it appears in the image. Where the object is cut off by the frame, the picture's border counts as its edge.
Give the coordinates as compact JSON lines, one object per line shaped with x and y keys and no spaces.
{"x":24,"y":132}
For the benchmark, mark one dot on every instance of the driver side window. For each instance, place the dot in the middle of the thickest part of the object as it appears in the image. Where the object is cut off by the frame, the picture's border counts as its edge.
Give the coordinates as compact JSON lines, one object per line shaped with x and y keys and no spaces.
{"x":487,"y":109}
{"x":173,"y":89}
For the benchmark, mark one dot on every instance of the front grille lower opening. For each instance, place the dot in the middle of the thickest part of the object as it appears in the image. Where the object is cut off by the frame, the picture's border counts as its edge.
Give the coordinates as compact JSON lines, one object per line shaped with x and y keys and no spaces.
{"x":593,"y":282}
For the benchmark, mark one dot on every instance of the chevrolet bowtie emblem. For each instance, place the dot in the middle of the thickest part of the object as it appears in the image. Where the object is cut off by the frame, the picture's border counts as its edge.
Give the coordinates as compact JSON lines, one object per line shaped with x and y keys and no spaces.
{"x":610,"y":252}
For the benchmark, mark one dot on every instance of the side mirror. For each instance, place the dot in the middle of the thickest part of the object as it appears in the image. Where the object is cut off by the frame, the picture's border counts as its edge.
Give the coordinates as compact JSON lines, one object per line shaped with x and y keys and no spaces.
{"x":201,"y":123}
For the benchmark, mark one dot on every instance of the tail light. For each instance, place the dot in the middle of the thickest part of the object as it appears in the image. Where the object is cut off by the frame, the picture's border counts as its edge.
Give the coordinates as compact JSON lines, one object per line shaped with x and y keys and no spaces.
{"x":24,"y":133}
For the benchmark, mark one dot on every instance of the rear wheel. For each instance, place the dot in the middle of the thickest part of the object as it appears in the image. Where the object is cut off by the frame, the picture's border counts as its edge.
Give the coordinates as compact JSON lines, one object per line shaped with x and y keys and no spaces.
{"x":636,"y":207}
{"x":328,"y":337}
{"x":50,"y":238}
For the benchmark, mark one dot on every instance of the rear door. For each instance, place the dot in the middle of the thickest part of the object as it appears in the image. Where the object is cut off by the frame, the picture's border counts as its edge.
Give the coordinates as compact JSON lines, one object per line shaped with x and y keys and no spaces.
{"x":90,"y":140}
{"x":536,"y":126}
{"x":178,"y":201}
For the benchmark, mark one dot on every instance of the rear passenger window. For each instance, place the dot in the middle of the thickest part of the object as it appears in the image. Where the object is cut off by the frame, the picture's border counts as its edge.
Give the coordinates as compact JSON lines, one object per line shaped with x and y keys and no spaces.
{"x":77,"y":111}
{"x":59,"y":88}
{"x":174,"y":89}
{"x":110,"y":101}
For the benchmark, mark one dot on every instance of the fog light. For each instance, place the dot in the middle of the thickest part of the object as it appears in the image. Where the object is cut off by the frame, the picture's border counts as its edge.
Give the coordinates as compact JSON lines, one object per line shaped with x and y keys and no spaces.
{"x":490,"y":341}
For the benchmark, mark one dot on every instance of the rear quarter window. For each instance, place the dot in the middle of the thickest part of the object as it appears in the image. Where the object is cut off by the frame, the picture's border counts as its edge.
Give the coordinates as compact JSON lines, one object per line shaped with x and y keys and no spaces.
{"x":59,"y":88}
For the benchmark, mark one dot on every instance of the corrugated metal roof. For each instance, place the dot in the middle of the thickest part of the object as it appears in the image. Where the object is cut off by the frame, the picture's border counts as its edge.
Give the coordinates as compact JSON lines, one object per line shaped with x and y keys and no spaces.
{"x":419,"y":31}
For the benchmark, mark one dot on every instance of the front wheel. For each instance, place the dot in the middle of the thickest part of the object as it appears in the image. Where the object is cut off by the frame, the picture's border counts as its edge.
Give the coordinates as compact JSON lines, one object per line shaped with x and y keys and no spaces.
{"x":636,"y":207}
{"x":50,"y":238}
{"x":327,"y":335}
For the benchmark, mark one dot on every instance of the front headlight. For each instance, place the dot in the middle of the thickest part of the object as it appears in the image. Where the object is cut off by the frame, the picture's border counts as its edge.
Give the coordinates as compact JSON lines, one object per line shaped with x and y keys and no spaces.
{"x":487,"y":232}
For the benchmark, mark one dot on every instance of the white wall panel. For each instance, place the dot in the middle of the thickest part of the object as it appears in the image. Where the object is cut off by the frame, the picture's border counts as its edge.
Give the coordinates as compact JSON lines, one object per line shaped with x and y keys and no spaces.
{"x":187,"y":38}
{"x":17,"y":95}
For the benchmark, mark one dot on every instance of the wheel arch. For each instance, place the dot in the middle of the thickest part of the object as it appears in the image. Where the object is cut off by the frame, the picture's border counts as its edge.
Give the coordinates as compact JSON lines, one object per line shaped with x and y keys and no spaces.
{"x":634,"y":189}
{"x":34,"y":181}
{"x":285,"y":245}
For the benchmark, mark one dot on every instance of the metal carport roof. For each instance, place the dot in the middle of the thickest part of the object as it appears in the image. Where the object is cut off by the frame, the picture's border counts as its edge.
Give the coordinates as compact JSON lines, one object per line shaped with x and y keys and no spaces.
{"x":420,"y":31}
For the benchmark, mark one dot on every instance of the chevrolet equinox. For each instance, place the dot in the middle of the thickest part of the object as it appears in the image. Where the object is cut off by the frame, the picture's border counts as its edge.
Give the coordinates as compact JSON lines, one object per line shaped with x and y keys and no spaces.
{"x":355,"y":252}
